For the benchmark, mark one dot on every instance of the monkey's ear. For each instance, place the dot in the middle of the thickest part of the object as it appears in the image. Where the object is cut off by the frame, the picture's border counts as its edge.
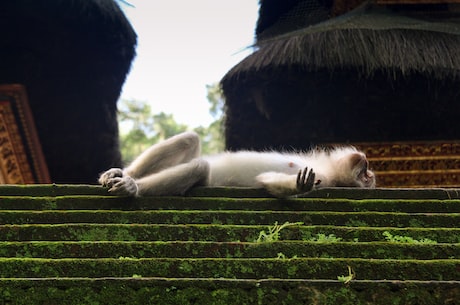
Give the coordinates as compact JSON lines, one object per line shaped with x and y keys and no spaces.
{"x":357,"y":160}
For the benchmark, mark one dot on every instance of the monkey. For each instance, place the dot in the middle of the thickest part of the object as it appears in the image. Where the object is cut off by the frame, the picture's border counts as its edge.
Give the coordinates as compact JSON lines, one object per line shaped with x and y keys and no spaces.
{"x":174,"y":166}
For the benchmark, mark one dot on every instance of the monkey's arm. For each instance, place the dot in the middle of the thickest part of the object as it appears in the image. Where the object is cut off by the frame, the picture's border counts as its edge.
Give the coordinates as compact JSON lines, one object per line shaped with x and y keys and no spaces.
{"x":284,"y":185}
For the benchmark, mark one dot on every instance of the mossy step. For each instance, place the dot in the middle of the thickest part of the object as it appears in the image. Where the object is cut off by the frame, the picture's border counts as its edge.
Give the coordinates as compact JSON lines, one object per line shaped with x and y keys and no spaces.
{"x":350,"y":193}
{"x":72,"y":202}
{"x":380,"y":219}
{"x":38,"y":190}
{"x":336,"y":192}
{"x":326,"y":248}
{"x":141,"y":291}
{"x":249,"y":233}
{"x":250,"y":268}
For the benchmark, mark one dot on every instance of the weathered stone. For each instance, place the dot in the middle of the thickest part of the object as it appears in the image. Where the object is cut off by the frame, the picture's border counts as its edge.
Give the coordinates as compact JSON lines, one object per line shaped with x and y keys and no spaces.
{"x":77,"y":244}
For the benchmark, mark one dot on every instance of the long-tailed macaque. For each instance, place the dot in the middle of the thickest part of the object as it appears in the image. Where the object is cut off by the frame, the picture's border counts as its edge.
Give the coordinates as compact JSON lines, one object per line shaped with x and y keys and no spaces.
{"x":174,"y":166}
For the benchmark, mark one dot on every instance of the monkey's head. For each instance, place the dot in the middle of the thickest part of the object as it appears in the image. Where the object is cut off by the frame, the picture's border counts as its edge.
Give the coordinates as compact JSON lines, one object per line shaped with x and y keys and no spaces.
{"x":353,"y":169}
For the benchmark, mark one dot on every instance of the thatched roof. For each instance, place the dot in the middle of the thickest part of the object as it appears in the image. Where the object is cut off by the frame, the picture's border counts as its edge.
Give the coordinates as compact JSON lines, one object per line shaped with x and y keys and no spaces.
{"x":369,"y":39}
{"x":72,"y":56}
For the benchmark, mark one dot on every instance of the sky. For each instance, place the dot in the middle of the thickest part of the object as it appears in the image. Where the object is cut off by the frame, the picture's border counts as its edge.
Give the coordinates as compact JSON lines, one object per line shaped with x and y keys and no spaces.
{"x":184,"y":45}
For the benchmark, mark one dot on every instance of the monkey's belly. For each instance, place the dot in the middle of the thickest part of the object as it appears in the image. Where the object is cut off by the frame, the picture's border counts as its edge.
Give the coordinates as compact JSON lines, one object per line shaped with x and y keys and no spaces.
{"x":241,"y":168}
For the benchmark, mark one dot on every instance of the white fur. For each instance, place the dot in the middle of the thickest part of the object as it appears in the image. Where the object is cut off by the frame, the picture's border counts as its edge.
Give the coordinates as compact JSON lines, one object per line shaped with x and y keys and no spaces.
{"x":174,"y":166}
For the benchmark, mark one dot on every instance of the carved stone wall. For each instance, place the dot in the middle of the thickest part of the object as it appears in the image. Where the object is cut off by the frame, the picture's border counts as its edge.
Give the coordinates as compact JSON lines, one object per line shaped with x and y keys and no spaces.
{"x":414,"y":164}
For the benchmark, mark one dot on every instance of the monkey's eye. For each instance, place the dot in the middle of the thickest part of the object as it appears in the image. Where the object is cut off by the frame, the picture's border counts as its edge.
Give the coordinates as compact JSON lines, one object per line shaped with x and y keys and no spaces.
{"x":365,"y":167}
{"x":363,"y":172}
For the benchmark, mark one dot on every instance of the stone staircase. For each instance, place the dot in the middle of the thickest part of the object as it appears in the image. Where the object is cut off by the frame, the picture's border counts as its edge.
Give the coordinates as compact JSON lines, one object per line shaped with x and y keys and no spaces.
{"x":71,"y":244}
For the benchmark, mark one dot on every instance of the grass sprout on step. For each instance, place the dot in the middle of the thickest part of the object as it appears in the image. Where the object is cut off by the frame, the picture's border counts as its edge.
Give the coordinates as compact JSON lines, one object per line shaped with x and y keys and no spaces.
{"x":281,"y":255}
{"x":346,"y":278}
{"x":273,"y":233}
{"x":406,"y":239}
{"x":126,"y":258}
{"x":323,"y":238}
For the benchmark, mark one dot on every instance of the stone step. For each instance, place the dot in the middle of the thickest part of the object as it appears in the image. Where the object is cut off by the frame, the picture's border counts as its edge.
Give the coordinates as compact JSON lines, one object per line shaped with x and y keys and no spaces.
{"x":376,"y":219}
{"x":92,"y":202}
{"x":328,"y":248}
{"x":54,"y":190}
{"x":76,"y":244}
{"x":47,"y":190}
{"x":230,"y":233}
{"x":187,"y":291}
{"x":241,"y":268}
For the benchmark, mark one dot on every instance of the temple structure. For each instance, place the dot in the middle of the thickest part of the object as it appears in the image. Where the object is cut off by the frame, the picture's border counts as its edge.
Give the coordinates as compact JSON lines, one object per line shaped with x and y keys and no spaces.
{"x":382,"y":75}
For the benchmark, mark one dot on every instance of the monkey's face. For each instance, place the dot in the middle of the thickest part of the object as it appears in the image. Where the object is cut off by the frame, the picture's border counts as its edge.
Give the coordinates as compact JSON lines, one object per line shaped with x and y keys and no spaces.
{"x":355,"y":171}
{"x":365,"y":176}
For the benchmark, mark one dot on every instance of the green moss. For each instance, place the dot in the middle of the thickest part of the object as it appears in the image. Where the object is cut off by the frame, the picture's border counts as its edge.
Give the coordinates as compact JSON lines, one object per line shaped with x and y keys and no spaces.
{"x":315,"y":268}
{"x":407,"y":239}
{"x":323,"y":238}
{"x":135,"y":250}
{"x":356,"y":223}
{"x":43,"y":190}
{"x":368,"y":234}
{"x":184,"y":292}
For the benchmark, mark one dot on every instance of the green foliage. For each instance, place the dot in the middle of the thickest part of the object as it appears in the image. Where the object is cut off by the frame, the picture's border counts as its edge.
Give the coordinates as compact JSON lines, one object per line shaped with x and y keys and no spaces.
{"x":282,"y":256}
{"x":273,"y":233}
{"x":406,"y":239}
{"x":323,"y":238}
{"x":346,"y":278}
{"x":139,"y":128}
{"x":356,"y":223}
{"x":215,"y":98}
{"x":212,"y":137}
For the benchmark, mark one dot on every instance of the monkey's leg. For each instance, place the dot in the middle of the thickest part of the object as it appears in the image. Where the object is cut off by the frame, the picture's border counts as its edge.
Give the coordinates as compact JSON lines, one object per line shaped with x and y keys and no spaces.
{"x":106,"y":177}
{"x":176,"y":150}
{"x":171,"y":181}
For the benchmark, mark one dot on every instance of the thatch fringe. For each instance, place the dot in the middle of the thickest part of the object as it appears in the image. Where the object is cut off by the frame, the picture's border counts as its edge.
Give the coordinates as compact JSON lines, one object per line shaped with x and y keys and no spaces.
{"x":402,"y":51}
{"x":366,"y":41}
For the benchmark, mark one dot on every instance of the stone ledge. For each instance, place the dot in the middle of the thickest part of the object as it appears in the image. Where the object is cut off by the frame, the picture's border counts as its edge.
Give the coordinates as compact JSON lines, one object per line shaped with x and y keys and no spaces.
{"x":344,"y":193}
{"x":209,"y":249}
{"x":186,"y":232}
{"x":205,"y":291}
{"x":244,"y":268}
{"x":54,"y":190}
{"x":236,"y":217}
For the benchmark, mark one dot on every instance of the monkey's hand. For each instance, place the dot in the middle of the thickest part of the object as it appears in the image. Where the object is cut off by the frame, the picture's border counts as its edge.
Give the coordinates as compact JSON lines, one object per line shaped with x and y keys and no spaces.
{"x":123,"y":186}
{"x":109,"y":175}
{"x":306,"y":180}
{"x":283,"y":185}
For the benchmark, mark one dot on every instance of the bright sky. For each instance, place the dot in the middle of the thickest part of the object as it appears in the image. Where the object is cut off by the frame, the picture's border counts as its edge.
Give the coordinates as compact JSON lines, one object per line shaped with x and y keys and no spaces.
{"x":184,"y":45}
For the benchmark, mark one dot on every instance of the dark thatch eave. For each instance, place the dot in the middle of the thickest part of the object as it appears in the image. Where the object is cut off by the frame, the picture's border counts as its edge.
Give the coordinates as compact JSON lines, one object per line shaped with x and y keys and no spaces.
{"x":367,"y":40}
{"x":271,"y":11}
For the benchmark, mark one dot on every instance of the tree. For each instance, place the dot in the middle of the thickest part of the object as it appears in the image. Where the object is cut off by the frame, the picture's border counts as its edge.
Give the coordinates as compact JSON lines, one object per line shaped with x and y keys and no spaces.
{"x":212,"y":137}
{"x":139,"y":128}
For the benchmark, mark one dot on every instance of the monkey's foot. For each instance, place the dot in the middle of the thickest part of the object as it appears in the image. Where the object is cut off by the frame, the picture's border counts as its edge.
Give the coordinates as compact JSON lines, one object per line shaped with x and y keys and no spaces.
{"x":109,"y":175}
{"x":123,"y":186}
{"x":306,"y":180}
